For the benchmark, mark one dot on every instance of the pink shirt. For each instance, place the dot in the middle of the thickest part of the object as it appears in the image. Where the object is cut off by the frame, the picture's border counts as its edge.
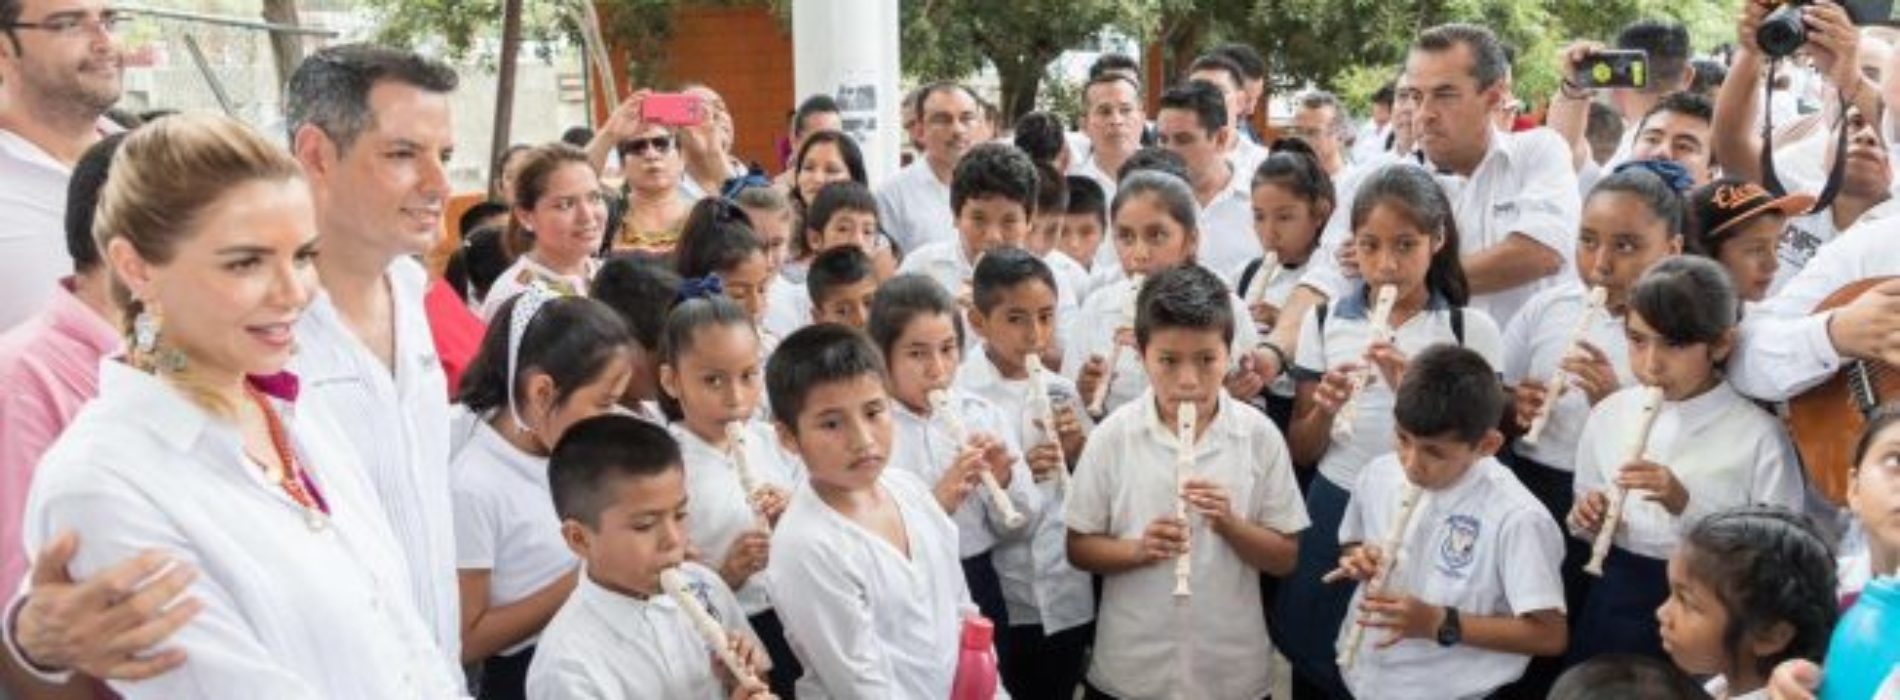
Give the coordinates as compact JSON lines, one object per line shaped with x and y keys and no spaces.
{"x":49,"y":367}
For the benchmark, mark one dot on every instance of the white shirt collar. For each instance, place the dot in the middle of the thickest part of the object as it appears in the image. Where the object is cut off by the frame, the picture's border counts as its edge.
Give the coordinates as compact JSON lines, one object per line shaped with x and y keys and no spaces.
{"x":155,"y":403}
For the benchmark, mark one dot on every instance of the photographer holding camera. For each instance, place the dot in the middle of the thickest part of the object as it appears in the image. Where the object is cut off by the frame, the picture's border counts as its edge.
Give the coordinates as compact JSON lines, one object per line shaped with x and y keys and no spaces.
{"x":1666,"y":50}
{"x":1833,"y":42}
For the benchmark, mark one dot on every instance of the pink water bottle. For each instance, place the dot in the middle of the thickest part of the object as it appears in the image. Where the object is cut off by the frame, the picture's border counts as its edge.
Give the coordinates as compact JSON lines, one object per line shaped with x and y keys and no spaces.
{"x":976,"y":660}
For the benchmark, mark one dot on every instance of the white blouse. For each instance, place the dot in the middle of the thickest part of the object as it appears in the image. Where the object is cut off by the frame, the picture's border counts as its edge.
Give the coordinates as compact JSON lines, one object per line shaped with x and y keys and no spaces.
{"x":290,"y":611}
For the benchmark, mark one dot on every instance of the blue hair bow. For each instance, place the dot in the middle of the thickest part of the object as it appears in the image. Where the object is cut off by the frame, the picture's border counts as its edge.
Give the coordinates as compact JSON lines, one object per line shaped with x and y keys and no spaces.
{"x":734,"y":186}
{"x":1671,"y":172}
{"x":700,"y":288}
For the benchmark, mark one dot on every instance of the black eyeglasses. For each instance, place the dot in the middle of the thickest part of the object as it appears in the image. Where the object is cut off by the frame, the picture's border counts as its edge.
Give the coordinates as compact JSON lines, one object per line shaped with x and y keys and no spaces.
{"x":73,"y":24}
{"x":635,"y":147}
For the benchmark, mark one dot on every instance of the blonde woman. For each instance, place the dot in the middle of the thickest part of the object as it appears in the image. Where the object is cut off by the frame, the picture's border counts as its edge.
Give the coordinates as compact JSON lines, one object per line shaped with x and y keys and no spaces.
{"x":195,"y":447}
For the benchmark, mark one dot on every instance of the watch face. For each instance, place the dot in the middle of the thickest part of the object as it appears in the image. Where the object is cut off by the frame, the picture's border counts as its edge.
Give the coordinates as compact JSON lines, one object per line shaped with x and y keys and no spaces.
{"x":1450,"y":632}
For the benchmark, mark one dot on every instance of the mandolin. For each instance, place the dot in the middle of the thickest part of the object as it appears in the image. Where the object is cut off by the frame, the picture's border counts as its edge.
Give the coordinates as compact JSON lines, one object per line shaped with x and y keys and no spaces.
{"x":1826,"y":421}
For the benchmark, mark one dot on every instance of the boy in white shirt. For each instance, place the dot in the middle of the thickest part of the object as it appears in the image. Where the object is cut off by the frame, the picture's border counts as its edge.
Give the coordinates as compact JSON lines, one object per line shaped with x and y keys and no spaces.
{"x":864,"y":564}
{"x":841,"y":282}
{"x":1051,"y":604}
{"x":1244,"y":511}
{"x":1473,"y":589}
{"x":1052,"y":206}
{"x":620,"y":489}
{"x":993,"y":195}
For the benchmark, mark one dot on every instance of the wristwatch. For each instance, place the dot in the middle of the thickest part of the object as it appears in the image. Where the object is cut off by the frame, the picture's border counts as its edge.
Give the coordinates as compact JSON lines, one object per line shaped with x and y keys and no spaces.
{"x":1449,"y":632}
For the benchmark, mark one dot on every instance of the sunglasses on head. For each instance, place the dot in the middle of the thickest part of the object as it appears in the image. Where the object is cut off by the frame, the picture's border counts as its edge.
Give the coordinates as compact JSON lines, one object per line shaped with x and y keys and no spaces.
{"x":658,"y":144}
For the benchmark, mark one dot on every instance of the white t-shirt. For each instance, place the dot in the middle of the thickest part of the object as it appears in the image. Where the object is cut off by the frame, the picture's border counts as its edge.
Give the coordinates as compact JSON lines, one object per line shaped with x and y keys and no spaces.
{"x":1536,"y":343}
{"x":718,"y":502}
{"x":1039,"y":585}
{"x":1124,"y":481}
{"x":526,"y":271}
{"x":33,"y":256}
{"x":505,"y":521}
{"x":866,"y":619}
{"x":1227,"y":240}
{"x":1094,"y":334}
{"x":914,"y":207}
{"x":1348,"y":332}
{"x":1483,"y":545}
{"x":924,"y":447}
{"x":1724,"y":449}
{"x":603,"y":644}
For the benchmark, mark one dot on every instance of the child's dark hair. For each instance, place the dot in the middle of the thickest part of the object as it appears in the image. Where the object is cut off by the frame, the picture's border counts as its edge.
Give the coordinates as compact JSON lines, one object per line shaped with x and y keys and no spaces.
{"x":843,"y":195}
{"x":682,"y":327}
{"x":1624,"y":676}
{"x":716,"y":237}
{"x":1003,"y":269}
{"x":1886,"y":415}
{"x":599,"y":451}
{"x":836,"y":268}
{"x":1663,"y":201}
{"x":572,"y":340}
{"x":479,"y":213}
{"x":1292,"y":166}
{"x":82,"y":201}
{"x":1153,"y":158}
{"x":1768,"y":565}
{"x":1052,"y":190}
{"x":1202,"y":99}
{"x":901,"y":300}
{"x":477,"y":262}
{"x":1086,"y":197}
{"x":994,"y":170}
{"x":813,"y":356}
{"x":1449,"y":391}
{"x":1174,"y":193}
{"x":640,"y":291}
{"x":1041,"y":136}
{"x":1687,"y":299}
{"x":1184,"y":296}
{"x":1412,"y":192}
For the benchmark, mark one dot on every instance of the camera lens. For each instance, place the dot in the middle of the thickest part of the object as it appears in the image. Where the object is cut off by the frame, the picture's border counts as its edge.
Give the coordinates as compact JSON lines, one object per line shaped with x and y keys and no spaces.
{"x":1781,"y":33}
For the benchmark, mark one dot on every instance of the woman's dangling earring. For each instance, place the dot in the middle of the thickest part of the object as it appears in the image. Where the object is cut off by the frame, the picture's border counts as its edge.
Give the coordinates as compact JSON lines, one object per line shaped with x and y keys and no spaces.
{"x":147,"y":354}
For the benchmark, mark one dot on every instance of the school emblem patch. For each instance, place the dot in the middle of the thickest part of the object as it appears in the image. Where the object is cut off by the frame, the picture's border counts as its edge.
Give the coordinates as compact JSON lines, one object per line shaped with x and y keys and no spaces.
{"x":1459,"y":546}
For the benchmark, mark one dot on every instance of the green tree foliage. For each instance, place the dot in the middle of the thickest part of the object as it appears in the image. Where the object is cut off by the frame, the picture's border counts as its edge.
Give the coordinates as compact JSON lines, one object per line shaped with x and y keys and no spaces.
{"x":945,"y":38}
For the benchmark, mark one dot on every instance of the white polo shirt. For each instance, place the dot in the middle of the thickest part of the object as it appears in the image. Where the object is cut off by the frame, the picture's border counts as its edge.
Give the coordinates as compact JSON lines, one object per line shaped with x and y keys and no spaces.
{"x":1785,"y":348}
{"x":1227,"y":240}
{"x":1246,"y":157}
{"x":1536,"y":343}
{"x":1724,"y":449}
{"x":914,"y":207}
{"x":1124,"y":481}
{"x":397,"y":422}
{"x":33,"y":256}
{"x":1040,"y":587}
{"x":718,"y":500}
{"x":865,"y":619}
{"x":951,"y":267}
{"x":1348,"y":332}
{"x":923,"y":446}
{"x":1094,"y":334}
{"x":1483,"y":545}
{"x":605,"y":644}
{"x":1276,"y":294}
{"x":505,"y":521}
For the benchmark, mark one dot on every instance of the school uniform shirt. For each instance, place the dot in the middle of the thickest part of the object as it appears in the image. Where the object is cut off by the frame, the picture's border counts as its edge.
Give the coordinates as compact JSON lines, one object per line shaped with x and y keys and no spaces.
{"x":1524,"y":186}
{"x":717,"y":499}
{"x":925,"y":448}
{"x":607,"y":645}
{"x":866,"y":619}
{"x":1276,"y":293}
{"x":1483,"y":545}
{"x":788,"y":307}
{"x":914,"y":207}
{"x":1094,"y":334}
{"x":505,"y":522}
{"x":397,"y":422}
{"x":1535,"y":345}
{"x":1347,"y":333}
{"x":290,"y":610}
{"x":1124,"y":481}
{"x":1246,"y":158}
{"x":945,"y":262}
{"x":1785,"y":348}
{"x":1072,"y":278}
{"x":1225,"y":224}
{"x":526,"y":271}
{"x":1724,"y":449}
{"x":1039,"y":585}
{"x":1085,"y":166}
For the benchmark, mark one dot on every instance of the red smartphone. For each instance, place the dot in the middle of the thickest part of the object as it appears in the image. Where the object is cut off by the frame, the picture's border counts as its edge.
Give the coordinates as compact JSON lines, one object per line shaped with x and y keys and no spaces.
{"x":672,"y":109}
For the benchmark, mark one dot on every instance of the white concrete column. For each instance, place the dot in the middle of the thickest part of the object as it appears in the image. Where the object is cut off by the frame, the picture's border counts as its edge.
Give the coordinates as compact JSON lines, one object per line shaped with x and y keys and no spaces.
{"x":848,"y":49}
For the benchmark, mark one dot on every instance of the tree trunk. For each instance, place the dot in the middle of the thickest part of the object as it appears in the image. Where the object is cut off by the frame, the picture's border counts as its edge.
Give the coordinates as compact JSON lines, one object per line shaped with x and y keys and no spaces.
{"x":286,"y":49}
{"x":1018,"y":83}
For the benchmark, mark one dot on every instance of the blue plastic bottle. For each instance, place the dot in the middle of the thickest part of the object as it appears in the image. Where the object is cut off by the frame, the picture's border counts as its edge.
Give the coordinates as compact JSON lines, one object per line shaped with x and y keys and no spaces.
{"x":1865,"y":648}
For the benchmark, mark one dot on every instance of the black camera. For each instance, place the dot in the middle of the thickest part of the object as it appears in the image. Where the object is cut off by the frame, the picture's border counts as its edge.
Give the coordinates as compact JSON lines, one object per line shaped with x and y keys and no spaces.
{"x":1782,"y":32}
